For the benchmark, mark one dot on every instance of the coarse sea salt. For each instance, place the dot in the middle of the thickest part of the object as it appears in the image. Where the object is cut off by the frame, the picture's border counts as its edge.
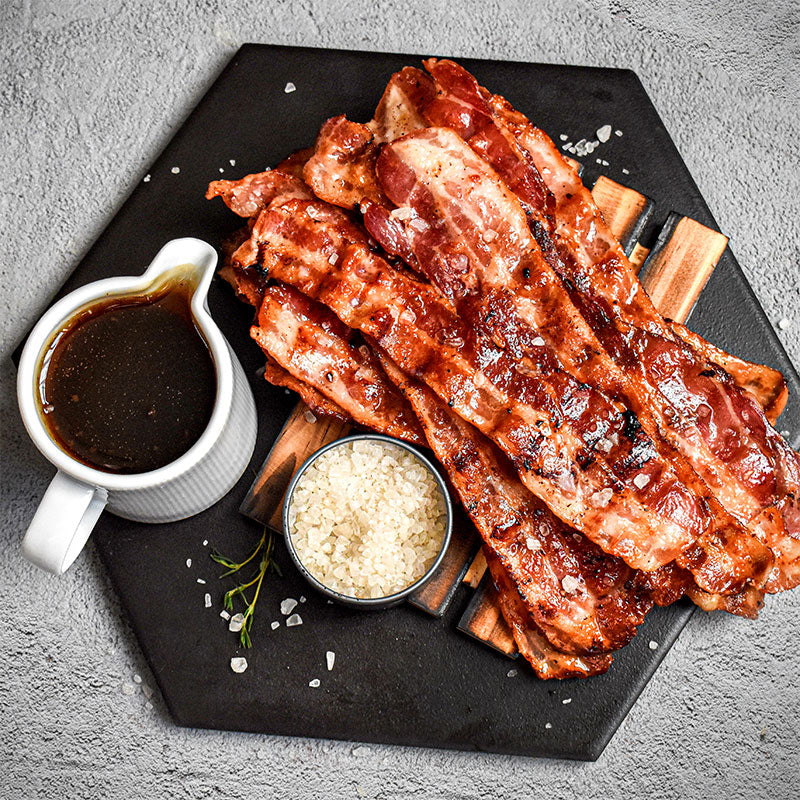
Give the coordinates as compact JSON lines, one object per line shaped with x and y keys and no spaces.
{"x":295,"y":619}
{"x":137,"y":678}
{"x":653,"y":645}
{"x":146,"y":178}
{"x":602,"y":498}
{"x":314,"y":683}
{"x":236,"y":623}
{"x":566,"y":701}
{"x":207,"y":600}
{"x":225,"y":615}
{"x":512,"y":673}
{"x":232,"y":162}
{"x":784,"y":324}
{"x":330,"y":657}
{"x":547,"y":726}
{"x":563,"y":137}
{"x":239,"y":664}
{"x":189,"y":563}
{"x":176,"y":170}
{"x":289,"y":88}
{"x":604,"y":133}
{"x":288,"y":605}
{"x":570,"y":584}
{"x":641,"y":480}
{"x":275,"y":625}
{"x":532,"y":544}
{"x":309,"y":416}
{"x":367,"y":519}
{"x":201,"y":580}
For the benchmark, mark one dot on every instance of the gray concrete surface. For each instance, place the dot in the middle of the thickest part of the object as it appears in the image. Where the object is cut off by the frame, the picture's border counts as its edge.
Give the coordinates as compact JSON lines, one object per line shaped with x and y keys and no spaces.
{"x":90,"y":92}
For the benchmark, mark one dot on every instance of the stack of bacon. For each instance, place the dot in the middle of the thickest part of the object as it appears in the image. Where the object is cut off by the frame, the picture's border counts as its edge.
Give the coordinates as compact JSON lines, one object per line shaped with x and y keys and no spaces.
{"x":442,"y":275}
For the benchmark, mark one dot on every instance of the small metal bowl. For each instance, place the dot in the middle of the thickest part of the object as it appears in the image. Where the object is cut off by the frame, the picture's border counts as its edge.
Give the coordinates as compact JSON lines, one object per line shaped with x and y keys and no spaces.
{"x":367,"y":602}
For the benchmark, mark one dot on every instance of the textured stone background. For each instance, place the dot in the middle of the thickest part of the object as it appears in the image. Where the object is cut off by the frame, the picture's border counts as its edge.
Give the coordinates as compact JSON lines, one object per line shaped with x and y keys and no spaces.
{"x":90,"y":92}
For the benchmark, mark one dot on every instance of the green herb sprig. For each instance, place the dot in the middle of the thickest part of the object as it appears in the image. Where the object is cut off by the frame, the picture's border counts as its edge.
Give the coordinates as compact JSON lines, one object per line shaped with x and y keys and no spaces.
{"x":265,"y":547}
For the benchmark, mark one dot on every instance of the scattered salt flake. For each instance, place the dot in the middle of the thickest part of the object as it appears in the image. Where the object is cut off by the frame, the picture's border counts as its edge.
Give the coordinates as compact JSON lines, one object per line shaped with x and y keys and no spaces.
{"x":566,"y":701}
{"x":653,"y":645}
{"x":532,"y":544}
{"x":127,"y":689}
{"x":225,"y":615}
{"x":786,"y":434}
{"x":548,"y":726}
{"x":221,"y":170}
{"x":207,"y":600}
{"x":239,"y":664}
{"x":563,"y":137}
{"x":288,"y":605}
{"x":625,"y":171}
{"x":147,"y":691}
{"x":232,"y":162}
{"x":489,"y":236}
{"x":599,"y":160}
{"x":314,"y":683}
{"x":512,"y":673}
{"x":602,"y":498}
{"x":146,"y":178}
{"x":618,"y":132}
{"x":309,"y":416}
{"x":784,"y":324}
{"x":295,"y":619}
{"x":361,"y":750}
{"x":205,"y":542}
{"x":189,"y":563}
{"x":538,"y":342}
{"x":289,"y":88}
{"x":302,"y":598}
{"x":566,"y":146}
{"x":641,"y":480}
{"x":570,"y":584}
{"x":330,"y":657}
{"x":604,"y":163}
{"x":333,"y":259}
{"x":137,"y":678}
{"x":236,"y":623}
{"x":201,"y":580}
{"x":604,"y":133}
{"x":275,"y":625}
{"x":148,"y":705}
{"x":176,"y":170}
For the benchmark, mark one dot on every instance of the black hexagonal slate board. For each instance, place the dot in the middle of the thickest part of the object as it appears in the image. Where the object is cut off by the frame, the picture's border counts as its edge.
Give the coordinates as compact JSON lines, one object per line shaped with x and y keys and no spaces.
{"x":400,"y":677}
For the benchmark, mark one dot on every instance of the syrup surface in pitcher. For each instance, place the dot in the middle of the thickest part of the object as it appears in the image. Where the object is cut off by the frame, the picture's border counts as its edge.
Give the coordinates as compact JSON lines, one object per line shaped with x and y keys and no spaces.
{"x":128,"y":384}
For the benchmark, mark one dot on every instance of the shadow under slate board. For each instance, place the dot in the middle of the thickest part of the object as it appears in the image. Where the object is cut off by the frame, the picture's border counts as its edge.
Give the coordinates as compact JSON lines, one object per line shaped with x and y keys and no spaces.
{"x":400,"y":676}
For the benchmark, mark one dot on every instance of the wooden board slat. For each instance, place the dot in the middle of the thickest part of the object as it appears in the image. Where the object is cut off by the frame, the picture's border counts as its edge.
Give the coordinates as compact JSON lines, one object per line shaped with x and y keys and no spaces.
{"x":477,"y":569}
{"x":435,"y":596}
{"x":638,"y":256}
{"x":483,"y":620}
{"x":298,"y":439}
{"x":625,"y":210}
{"x":680,"y":264}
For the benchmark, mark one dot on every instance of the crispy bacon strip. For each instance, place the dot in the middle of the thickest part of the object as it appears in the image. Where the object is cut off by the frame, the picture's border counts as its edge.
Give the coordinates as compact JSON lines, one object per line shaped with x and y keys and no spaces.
{"x":475,"y":245}
{"x":247,"y":196}
{"x":767,"y":385}
{"x":316,"y":401}
{"x":313,"y":345}
{"x":547,"y":661}
{"x":582,"y":600}
{"x":481,"y":380}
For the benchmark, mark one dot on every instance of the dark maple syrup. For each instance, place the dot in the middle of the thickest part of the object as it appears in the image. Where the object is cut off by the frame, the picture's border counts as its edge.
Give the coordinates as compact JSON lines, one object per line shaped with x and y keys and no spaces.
{"x":128,"y":385}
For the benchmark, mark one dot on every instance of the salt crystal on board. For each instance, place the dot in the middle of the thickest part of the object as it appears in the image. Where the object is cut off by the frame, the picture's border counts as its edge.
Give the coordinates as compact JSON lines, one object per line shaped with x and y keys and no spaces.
{"x":330,"y":657}
{"x":275,"y":625}
{"x":137,"y":678}
{"x":618,"y":132}
{"x":239,"y":664}
{"x":548,"y":726}
{"x":232,"y":162}
{"x":146,"y":178}
{"x":288,"y":605}
{"x":201,"y":580}
{"x":314,"y":683}
{"x":189,"y":563}
{"x":653,"y":645}
{"x":566,"y":701}
{"x":784,"y":324}
{"x":302,"y":598}
{"x":289,"y":88}
{"x":176,"y":170}
{"x":604,"y":133}
{"x":570,"y":584}
{"x":236,"y":623}
{"x":295,"y":619}
{"x":309,"y":416}
{"x":563,"y":137}
{"x":207,"y":600}
{"x":512,"y":673}
{"x":225,"y":615}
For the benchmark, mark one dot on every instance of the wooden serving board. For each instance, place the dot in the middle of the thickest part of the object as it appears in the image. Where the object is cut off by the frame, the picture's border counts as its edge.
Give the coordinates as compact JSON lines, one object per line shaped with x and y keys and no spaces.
{"x":401,"y":677}
{"x":673,"y":272}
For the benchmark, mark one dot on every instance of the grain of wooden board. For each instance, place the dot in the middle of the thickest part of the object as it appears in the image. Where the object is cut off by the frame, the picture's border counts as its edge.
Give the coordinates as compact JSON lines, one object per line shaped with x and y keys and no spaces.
{"x":675,"y":272}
